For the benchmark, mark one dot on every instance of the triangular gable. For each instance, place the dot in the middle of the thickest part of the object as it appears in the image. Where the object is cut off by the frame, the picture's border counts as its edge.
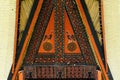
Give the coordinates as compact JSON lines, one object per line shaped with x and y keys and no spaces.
{"x":76,"y":28}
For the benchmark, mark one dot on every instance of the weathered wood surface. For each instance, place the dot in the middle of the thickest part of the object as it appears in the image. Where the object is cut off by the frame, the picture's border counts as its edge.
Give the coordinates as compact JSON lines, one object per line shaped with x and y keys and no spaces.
{"x":94,"y":9}
{"x":25,"y":9}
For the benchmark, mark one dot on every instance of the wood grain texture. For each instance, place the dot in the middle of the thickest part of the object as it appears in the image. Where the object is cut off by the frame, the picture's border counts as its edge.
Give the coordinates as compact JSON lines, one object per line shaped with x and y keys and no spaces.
{"x":93,"y":8}
{"x":25,"y":9}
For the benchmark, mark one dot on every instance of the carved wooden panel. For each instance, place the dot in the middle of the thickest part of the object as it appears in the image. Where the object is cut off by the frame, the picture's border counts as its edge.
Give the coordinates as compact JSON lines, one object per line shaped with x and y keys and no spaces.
{"x":30,"y":72}
{"x":59,"y":36}
{"x":62,"y":39}
{"x":75,"y":71}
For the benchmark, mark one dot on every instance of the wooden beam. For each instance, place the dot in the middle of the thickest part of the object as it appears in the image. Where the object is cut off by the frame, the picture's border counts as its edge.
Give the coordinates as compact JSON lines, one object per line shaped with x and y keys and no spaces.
{"x":92,"y":39}
{"x":21,"y":75}
{"x":15,"y":35}
{"x":22,"y":54}
{"x":104,"y":39}
{"x":99,"y":76}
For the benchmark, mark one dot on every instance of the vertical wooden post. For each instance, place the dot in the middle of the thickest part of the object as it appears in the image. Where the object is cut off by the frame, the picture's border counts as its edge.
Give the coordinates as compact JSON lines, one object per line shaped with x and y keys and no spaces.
{"x":99,"y":76}
{"x":21,"y":75}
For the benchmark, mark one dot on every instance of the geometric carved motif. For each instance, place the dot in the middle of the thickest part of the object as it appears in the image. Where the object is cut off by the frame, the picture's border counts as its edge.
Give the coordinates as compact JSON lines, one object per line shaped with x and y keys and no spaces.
{"x":55,"y":72}
{"x":70,"y":42}
{"x":47,"y":44}
{"x":59,"y":36}
{"x":59,"y":46}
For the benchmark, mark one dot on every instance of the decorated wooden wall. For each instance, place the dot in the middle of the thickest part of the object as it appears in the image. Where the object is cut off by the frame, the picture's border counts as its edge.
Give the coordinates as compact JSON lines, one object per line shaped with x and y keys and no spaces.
{"x":61,"y":38}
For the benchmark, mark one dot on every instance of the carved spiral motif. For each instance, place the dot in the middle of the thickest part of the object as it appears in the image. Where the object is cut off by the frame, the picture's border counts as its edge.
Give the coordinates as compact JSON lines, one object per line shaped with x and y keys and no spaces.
{"x":71,"y":46}
{"x":47,"y":46}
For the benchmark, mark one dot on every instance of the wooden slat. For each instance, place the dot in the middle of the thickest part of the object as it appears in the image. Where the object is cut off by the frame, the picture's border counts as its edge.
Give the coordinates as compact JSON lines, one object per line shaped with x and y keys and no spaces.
{"x":104,"y":39}
{"x":15,"y":38}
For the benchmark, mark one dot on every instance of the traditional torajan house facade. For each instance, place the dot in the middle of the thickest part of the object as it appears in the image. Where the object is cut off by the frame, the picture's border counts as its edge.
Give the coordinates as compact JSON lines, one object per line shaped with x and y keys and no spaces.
{"x":60,"y":39}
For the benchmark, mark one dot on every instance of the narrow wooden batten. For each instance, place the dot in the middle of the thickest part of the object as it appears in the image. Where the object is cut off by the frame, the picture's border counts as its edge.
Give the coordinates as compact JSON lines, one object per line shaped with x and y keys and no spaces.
{"x":21,"y":75}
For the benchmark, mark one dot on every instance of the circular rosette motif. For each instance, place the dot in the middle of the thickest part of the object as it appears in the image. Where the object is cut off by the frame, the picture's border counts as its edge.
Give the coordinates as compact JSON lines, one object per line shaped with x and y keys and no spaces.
{"x":47,"y":46}
{"x":71,"y":46}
